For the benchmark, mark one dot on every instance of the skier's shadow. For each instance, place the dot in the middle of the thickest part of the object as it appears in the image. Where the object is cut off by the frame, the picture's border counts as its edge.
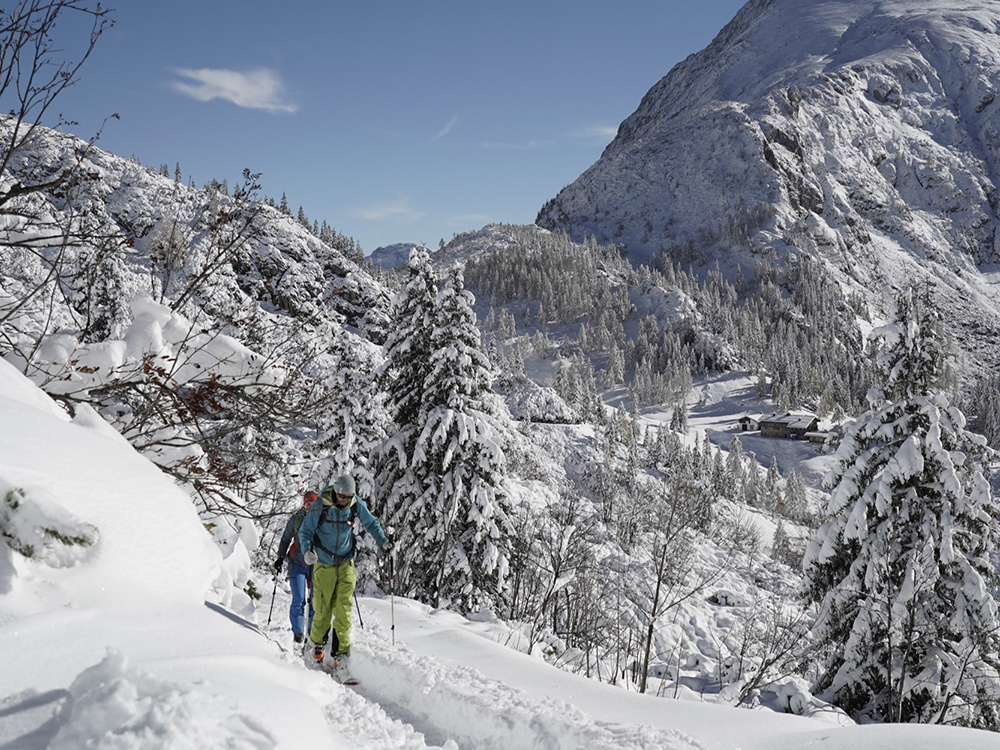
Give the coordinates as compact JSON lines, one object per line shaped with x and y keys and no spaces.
{"x":28,"y":711}
{"x":231,"y":616}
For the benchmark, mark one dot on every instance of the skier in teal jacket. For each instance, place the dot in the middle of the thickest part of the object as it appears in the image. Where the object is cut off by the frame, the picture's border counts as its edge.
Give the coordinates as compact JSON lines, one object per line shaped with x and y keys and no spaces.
{"x":326,"y":537}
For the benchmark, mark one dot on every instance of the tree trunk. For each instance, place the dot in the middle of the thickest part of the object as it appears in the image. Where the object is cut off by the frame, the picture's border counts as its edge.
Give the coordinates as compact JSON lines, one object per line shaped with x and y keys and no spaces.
{"x":652,"y":619}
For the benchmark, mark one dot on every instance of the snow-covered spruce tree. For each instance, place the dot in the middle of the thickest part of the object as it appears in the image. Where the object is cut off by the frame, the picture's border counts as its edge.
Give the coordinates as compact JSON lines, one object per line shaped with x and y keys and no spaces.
{"x":900,"y":569}
{"x":409,"y":512}
{"x":353,"y":427}
{"x":460,"y":460}
{"x":796,"y":505}
{"x":443,"y":471}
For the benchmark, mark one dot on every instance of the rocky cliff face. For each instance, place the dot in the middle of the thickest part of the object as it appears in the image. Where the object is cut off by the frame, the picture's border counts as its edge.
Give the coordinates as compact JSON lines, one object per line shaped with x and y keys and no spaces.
{"x":867,"y":133}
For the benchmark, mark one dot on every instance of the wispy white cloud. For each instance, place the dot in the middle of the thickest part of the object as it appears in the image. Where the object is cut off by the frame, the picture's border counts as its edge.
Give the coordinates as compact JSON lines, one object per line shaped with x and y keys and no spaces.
{"x":517,"y":146}
{"x":601,"y":132}
{"x":260,"y":88}
{"x":595,"y":132}
{"x":446,"y":129}
{"x":391,"y":132}
{"x":589,"y":132}
{"x":467,"y":220}
{"x":398,"y":210}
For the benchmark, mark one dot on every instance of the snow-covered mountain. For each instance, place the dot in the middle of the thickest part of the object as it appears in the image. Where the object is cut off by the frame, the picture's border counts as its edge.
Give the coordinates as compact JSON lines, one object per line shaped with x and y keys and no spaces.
{"x":392,"y":256}
{"x":268,"y":257}
{"x":866,"y":133}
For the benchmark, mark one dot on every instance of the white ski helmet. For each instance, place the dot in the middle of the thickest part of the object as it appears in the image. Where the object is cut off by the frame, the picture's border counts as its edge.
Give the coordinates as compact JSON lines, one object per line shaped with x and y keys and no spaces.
{"x":344,"y":485}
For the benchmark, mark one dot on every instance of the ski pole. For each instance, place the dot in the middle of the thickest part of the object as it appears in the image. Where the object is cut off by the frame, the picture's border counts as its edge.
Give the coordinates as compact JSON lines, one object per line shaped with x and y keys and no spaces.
{"x":358,"y":606}
{"x":275,"y":591}
{"x":392,"y":599}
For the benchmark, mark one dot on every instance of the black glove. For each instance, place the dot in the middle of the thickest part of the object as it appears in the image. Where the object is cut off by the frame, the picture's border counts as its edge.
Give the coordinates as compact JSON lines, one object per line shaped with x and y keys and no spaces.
{"x":278,"y":563}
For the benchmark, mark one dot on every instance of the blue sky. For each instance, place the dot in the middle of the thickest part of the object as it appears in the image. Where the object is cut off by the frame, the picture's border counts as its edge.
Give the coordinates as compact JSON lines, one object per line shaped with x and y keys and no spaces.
{"x":401,"y":121}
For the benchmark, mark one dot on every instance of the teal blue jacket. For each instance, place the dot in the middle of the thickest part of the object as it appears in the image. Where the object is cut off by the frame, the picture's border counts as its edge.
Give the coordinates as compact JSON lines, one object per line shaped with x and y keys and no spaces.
{"x":333,"y":540}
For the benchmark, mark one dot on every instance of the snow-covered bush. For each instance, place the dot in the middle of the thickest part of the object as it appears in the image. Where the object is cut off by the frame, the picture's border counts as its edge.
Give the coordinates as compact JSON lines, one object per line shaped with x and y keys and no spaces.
{"x":39,"y":529}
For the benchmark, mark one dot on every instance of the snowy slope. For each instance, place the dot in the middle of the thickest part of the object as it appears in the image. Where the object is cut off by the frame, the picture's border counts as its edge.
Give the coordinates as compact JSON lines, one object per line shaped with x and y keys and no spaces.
{"x":459,"y":680}
{"x":122,"y":634}
{"x":862,"y":132}
{"x":116,"y":644}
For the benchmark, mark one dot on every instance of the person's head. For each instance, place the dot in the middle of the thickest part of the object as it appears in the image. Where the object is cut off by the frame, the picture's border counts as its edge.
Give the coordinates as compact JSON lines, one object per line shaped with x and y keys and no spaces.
{"x":309,"y":498}
{"x":344,"y":488}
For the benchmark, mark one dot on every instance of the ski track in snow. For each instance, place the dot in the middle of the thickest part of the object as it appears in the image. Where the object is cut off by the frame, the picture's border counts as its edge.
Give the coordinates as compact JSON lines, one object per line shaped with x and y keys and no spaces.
{"x":405,"y":700}
{"x":372,"y":726}
{"x":350,"y":714}
{"x":486,"y":713}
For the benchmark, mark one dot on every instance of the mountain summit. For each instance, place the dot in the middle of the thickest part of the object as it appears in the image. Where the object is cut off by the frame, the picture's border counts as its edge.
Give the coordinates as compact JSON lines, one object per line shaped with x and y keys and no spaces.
{"x":867,"y":133}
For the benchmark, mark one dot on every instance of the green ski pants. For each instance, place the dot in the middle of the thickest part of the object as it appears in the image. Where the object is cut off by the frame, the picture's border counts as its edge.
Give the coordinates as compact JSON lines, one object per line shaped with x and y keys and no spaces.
{"x":333,"y":587}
